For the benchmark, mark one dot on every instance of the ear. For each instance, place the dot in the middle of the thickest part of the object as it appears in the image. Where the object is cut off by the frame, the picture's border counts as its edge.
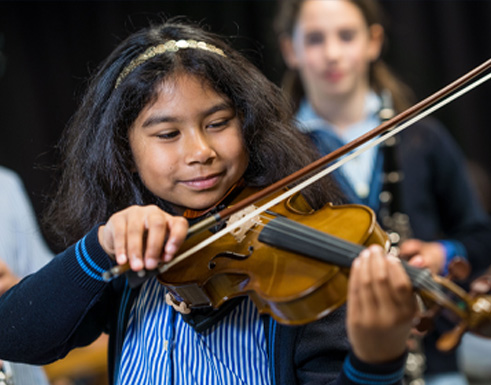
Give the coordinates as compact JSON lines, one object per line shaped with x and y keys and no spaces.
{"x":376,"y":41}
{"x":288,"y":52}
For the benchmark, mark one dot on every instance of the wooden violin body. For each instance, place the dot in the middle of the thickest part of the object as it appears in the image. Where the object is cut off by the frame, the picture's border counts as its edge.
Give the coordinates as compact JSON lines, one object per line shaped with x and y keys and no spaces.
{"x":294,"y":289}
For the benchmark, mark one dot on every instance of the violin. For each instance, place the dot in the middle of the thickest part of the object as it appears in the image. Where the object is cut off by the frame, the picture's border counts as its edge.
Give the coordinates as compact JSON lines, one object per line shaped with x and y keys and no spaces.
{"x":275,"y":261}
{"x":294,"y":262}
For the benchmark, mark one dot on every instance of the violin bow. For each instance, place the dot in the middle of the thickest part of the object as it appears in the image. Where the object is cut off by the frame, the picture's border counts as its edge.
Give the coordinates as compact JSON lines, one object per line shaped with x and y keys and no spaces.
{"x":357,"y":146}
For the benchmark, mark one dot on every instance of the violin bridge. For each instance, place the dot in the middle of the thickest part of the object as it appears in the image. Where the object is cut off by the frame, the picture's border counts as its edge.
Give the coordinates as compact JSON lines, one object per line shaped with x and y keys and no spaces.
{"x":240,"y":232}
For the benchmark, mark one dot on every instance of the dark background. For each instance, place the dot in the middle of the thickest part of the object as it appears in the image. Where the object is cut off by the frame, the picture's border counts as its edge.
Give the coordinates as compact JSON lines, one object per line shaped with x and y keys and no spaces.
{"x":50,"y":48}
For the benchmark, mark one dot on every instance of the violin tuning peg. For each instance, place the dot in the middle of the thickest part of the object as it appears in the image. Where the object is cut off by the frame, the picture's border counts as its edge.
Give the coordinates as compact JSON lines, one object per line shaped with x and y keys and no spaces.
{"x":451,"y":339}
{"x":459,"y":269}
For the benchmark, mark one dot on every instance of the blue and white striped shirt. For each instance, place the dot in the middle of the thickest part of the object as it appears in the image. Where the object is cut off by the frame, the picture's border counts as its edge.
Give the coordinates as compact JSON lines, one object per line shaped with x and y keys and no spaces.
{"x":160,"y":348}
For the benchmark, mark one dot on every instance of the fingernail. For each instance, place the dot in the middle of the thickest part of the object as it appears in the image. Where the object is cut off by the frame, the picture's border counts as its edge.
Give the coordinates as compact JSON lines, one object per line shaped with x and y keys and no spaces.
{"x":136,"y":263}
{"x":150,"y":264}
{"x":170,"y":248}
{"x":393,"y":259}
{"x":121,"y":259}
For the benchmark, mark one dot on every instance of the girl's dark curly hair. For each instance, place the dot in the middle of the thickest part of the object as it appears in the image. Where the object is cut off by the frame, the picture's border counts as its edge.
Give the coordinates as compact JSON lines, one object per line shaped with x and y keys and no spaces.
{"x":98,"y":178}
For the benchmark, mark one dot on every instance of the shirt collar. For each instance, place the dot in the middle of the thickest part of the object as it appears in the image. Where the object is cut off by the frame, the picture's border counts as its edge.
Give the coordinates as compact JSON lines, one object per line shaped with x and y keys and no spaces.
{"x":310,"y":121}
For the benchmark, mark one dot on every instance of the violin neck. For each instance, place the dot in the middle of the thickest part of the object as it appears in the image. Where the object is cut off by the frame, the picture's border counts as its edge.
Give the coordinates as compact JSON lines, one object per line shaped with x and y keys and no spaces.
{"x":297,"y":238}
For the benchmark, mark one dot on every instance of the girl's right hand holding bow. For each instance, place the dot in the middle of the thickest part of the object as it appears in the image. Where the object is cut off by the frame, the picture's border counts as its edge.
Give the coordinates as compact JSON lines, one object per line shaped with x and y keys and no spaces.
{"x":144,"y":236}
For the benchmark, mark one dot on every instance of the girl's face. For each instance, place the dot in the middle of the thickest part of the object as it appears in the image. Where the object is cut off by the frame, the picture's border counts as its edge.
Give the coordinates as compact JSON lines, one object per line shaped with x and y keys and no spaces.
{"x":187,"y":145}
{"x":332,"y":48}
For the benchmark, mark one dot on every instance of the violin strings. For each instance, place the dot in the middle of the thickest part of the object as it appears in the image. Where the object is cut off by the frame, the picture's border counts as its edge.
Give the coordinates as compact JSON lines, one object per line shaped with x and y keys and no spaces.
{"x":317,"y":239}
{"x":421,"y":278}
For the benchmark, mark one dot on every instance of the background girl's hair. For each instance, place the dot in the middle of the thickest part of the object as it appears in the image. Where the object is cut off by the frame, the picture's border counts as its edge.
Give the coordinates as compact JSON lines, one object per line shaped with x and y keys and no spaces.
{"x":98,"y":175}
{"x":381,"y":77}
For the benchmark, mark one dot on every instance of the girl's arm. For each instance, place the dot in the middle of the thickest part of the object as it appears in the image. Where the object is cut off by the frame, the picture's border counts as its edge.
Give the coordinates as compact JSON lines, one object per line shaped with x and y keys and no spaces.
{"x":58,"y":308}
{"x":64,"y":305}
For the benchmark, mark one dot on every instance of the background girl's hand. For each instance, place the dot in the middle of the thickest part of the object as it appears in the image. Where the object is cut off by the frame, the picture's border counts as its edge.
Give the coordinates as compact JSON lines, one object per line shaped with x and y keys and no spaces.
{"x":7,"y":277}
{"x":424,"y":254}
{"x":144,"y":236}
{"x":381,"y":306}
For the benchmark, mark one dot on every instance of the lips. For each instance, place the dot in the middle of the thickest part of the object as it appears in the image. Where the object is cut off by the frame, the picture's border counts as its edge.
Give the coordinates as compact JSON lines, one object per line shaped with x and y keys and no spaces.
{"x":203,"y":182}
{"x":333,"y":76}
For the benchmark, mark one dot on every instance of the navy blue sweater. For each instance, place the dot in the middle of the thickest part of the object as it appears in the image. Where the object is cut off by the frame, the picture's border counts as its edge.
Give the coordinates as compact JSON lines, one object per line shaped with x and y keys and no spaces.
{"x":67,"y":305}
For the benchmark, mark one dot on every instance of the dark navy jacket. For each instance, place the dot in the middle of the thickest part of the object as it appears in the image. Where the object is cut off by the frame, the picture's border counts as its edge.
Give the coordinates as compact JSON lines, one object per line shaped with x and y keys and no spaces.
{"x":440,"y":200}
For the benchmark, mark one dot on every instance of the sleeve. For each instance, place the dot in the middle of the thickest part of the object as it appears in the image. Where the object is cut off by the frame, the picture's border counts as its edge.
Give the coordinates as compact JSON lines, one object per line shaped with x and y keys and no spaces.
{"x":441,"y":199}
{"x":24,"y":248}
{"x":466,"y":225}
{"x":319,"y":353}
{"x":356,"y":372}
{"x":323,"y":357}
{"x":58,"y":308}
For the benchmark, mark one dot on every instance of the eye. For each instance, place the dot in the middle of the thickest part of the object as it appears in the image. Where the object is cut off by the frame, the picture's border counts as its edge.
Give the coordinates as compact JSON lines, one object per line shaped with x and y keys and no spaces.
{"x":347,"y":35}
{"x":314,"y":38}
{"x":218,"y":124}
{"x":167,"y":135}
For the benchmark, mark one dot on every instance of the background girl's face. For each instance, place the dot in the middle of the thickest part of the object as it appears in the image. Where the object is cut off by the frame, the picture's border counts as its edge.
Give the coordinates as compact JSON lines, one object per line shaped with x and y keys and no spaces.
{"x":187,"y":145}
{"x":332,"y":48}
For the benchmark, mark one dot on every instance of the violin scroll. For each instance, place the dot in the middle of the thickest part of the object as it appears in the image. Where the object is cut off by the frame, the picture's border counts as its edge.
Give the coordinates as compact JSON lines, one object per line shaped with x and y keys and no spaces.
{"x":473,"y":309}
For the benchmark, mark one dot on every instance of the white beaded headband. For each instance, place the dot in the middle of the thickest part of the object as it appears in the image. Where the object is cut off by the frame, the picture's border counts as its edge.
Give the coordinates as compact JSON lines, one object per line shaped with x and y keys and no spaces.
{"x":168,"y":46}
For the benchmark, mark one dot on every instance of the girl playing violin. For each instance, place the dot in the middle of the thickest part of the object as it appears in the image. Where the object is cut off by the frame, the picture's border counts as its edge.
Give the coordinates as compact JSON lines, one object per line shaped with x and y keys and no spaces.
{"x":173,"y":123}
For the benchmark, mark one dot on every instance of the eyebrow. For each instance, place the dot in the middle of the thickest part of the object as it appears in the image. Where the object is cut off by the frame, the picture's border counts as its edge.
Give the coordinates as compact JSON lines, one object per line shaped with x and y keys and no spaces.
{"x":157,"y":119}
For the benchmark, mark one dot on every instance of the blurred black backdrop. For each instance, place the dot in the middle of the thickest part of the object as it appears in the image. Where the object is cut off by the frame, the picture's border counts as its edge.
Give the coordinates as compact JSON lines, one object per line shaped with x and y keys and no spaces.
{"x":48,"y":49}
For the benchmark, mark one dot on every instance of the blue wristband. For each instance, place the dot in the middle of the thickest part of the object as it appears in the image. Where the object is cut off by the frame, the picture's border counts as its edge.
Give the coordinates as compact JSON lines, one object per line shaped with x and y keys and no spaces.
{"x":453,"y":249}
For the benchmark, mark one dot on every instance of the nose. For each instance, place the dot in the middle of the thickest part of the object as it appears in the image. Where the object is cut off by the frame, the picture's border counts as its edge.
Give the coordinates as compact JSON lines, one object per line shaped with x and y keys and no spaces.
{"x":332,"y":49}
{"x":199,"y":148}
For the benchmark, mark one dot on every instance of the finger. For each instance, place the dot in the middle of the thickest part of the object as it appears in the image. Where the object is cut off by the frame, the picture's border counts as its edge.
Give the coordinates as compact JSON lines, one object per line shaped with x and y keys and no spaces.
{"x":380,"y":280}
{"x":113,"y":238}
{"x":410,"y":248}
{"x":400,"y":283}
{"x":353,"y":303}
{"x":366,"y":301}
{"x":156,"y":225}
{"x":177,"y":234}
{"x":417,"y":261}
{"x":135,"y":234}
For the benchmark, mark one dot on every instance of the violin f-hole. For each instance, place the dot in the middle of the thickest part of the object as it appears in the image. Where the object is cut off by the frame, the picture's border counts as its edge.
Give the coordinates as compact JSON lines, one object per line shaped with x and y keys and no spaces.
{"x":230,"y":255}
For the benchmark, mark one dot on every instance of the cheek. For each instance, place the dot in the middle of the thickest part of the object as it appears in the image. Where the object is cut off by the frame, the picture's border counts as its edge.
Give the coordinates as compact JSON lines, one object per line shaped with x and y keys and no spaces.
{"x":235,"y":151}
{"x":310,"y":57}
{"x":306,"y":57}
{"x":242,"y":162}
{"x":151,"y":162}
{"x":359,"y":56}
